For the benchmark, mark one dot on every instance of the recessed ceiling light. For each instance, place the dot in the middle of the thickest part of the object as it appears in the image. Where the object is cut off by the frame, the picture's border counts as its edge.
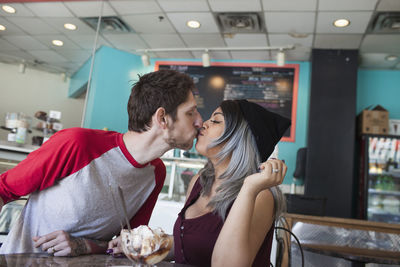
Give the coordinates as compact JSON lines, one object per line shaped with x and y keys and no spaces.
{"x":391,"y":58}
{"x":70,"y":26}
{"x":2,"y":27}
{"x":194,"y":24}
{"x":8,"y":9}
{"x":340,"y":23}
{"x":57,"y":42}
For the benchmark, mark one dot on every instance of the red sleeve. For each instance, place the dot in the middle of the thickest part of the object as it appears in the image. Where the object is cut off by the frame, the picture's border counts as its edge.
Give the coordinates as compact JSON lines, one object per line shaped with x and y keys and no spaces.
{"x":64,"y":153}
{"x":142,"y":217}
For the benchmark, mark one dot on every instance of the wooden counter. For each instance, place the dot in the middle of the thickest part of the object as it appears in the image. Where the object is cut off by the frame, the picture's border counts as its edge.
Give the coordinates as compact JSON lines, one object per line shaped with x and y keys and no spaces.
{"x":360,"y":256}
{"x":39,"y":260}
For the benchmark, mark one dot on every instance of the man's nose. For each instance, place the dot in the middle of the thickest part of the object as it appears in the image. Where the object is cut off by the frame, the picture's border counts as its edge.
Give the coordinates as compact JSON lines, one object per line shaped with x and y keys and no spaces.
{"x":198,"y":123}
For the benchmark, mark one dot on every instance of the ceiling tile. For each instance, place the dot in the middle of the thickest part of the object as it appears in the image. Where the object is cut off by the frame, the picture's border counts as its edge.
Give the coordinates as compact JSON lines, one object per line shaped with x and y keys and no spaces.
{"x":10,"y":28}
{"x":47,"y":39}
{"x":180,"y":54}
{"x":359,"y":5}
{"x":289,"y":5}
{"x":49,"y":9}
{"x":17,"y":56}
{"x":21,"y":11}
{"x":389,"y":5}
{"x":338,"y":41}
{"x":86,"y":41}
{"x":58,"y":24}
{"x":358,"y":22}
{"x":203,"y":40}
{"x":376,"y":60}
{"x":184,"y":5}
{"x":284,"y":22}
{"x":206,"y":20}
{"x":381,"y":43}
{"x":6,"y":46}
{"x":235,"y":5}
{"x":70,"y":67}
{"x":76,"y":55}
{"x":126,"y":41}
{"x":247,"y":40}
{"x":149,"y":23}
{"x":90,"y":8}
{"x":163,"y":40}
{"x":251,"y":55}
{"x":25,"y":42}
{"x":135,"y":7}
{"x":285,"y":39}
{"x":33,"y":25}
{"x":214,"y":55}
{"x":48,"y":56}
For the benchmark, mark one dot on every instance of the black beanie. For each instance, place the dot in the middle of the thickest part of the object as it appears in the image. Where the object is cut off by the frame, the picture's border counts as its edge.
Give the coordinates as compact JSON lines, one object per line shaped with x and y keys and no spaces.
{"x":266,"y":126}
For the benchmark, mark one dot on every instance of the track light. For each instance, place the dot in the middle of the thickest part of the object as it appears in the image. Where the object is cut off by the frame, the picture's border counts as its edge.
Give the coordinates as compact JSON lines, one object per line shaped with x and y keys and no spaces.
{"x":22,"y":66}
{"x":146,"y":60}
{"x":280,"y":58}
{"x":205,"y":58}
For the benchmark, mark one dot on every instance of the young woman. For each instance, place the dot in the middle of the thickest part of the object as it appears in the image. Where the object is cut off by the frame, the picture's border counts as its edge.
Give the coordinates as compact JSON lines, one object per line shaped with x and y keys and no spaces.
{"x":228,"y":218}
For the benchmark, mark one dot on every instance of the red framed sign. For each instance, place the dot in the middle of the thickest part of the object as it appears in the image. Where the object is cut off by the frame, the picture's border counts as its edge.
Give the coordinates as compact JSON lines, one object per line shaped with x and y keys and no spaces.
{"x":268,"y":85}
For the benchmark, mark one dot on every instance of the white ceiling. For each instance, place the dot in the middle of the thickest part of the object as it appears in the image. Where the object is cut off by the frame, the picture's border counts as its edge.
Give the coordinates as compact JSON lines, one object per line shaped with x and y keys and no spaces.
{"x":30,"y":30}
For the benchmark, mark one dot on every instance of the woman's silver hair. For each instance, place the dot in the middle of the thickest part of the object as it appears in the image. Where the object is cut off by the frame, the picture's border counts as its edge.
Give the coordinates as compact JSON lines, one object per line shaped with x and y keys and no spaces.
{"x":238,"y":144}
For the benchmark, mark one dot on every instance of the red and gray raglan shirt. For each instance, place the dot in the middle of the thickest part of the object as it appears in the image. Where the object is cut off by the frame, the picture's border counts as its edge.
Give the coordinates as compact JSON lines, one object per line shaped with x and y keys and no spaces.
{"x":71,"y":180}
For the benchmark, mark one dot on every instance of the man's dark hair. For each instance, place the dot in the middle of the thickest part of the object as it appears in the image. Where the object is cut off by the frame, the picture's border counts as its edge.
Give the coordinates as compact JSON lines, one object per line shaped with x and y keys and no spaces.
{"x":163,"y":88}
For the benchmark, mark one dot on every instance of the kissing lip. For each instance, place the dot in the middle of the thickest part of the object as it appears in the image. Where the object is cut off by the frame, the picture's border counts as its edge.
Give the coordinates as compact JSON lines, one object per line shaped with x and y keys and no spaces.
{"x":200,"y":132}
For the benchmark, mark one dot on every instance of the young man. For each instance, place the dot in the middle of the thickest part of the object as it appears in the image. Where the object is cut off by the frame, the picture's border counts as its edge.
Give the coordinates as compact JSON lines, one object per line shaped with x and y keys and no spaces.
{"x":73,"y":177}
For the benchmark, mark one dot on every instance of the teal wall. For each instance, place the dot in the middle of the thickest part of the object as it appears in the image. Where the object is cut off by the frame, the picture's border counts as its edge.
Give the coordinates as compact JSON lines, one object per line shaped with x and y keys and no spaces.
{"x":379,"y":87}
{"x":79,"y":80}
{"x":113,"y":74}
{"x":115,"y":71}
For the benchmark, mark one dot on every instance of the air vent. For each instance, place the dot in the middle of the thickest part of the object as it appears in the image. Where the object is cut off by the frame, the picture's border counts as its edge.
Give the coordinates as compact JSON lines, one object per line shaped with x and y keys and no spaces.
{"x":108,"y":24}
{"x":385,"y":22}
{"x":239,"y":22}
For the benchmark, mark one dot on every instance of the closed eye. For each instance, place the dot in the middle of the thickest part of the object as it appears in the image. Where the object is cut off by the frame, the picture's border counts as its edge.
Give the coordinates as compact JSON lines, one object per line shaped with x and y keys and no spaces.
{"x":213,"y":121}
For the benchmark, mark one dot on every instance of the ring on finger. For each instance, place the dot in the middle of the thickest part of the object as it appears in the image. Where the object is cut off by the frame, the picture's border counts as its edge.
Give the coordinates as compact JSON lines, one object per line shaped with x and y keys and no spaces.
{"x":275,"y":170}
{"x":52,"y":250}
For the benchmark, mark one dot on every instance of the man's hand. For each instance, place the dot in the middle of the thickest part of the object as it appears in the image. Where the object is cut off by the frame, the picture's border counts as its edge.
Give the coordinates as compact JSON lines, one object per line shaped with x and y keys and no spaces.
{"x":61,"y":243}
{"x":114,"y":246}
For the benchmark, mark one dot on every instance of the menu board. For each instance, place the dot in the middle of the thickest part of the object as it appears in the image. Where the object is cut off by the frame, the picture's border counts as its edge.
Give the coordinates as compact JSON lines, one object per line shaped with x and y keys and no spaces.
{"x":272,"y":87}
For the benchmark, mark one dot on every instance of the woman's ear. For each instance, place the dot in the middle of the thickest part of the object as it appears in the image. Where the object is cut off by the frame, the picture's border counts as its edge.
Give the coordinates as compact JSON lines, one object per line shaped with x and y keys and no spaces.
{"x":160,"y":117}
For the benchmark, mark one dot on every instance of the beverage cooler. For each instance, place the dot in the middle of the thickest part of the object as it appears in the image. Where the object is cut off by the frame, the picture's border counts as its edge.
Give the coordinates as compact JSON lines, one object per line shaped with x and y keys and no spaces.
{"x":379,"y":179}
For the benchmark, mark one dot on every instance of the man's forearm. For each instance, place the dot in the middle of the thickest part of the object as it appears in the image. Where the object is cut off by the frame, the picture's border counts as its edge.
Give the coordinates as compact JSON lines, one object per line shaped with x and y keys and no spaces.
{"x":84,"y":246}
{"x":96,"y":246}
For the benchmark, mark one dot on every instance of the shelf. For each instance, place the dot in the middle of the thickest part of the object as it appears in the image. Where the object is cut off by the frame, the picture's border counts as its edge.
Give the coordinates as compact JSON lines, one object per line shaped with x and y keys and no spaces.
{"x":381,"y":212}
{"x":395,"y":174}
{"x":383,"y":192}
{"x":177,"y":159}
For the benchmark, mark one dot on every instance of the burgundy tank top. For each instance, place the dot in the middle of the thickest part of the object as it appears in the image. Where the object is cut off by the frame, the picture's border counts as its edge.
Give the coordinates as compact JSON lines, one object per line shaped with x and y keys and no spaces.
{"x":194,"y":239}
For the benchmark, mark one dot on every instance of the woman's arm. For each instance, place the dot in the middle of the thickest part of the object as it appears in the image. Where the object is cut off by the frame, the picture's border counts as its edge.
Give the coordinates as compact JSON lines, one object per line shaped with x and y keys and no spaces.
{"x":249,"y":219}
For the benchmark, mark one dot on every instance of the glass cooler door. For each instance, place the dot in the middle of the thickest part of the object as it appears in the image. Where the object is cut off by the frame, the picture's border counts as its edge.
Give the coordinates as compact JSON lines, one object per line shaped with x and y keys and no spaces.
{"x":383,"y":179}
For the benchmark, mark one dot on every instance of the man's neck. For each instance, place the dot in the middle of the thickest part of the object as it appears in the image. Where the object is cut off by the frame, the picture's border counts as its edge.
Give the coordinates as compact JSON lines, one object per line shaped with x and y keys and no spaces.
{"x":146,"y":146}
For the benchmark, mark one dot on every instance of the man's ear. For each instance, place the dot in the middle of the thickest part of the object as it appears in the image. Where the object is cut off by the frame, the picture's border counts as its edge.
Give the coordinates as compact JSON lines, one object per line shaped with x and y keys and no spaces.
{"x":161,"y":118}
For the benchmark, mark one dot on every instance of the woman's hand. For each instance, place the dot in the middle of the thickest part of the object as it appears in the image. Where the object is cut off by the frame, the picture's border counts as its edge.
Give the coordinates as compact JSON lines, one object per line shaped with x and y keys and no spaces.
{"x":61,"y":243}
{"x":271,"y":174}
